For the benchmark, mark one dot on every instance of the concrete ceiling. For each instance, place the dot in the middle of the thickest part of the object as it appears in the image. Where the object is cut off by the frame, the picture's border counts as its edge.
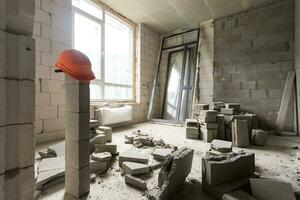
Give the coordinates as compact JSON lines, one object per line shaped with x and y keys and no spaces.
{"x":165,"y":16}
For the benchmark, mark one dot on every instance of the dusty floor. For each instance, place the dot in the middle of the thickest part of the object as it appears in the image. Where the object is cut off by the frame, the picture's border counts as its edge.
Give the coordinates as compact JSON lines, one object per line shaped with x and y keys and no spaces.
{"x":277,"y":158}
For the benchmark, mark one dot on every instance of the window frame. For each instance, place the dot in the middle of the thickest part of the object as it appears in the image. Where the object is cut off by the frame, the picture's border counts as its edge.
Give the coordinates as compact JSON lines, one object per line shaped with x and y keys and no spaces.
{"x":101,"y":82}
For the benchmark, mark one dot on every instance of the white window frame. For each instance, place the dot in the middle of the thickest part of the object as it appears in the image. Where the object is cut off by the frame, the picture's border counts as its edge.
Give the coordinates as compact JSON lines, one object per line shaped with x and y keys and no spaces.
{"x":101,"y":82}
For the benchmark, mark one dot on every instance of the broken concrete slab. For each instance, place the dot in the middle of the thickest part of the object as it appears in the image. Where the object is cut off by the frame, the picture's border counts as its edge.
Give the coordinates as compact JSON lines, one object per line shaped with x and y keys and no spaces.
{"x":135,"y":182}
{"x":218,"y":191}
{"x":259,"y":137}
{"x":218,"y":169}
{"x":135,"y":168}
{"x":107,"y":132}
{"x":58,"y":149}
{"x":161,"y":154}
{"x":108,"y":147}
{"x":174,"y":171}
{"x":133,"y":156}
{"x":238,"y":195}
{"x":272,"y":188}
{"x":101,"y":157}
{"x":221,"y":146}
{"x":240,"y":134}
{"x":154,"y":164}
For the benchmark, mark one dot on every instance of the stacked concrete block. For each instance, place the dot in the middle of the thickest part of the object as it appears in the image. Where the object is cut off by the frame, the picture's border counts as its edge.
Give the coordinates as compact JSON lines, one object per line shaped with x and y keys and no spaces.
{"x":240,"y":134}
{"x":107,"y":132}
{"x":17,"y":99}
{"x":192,"y":129}
{"x":217,"y":106}
{"x":77,"y":182}
{"x":259,"y":137}
{"x":199,"y":107}
{"x":222,"y":168}
{"x":208,"y":130}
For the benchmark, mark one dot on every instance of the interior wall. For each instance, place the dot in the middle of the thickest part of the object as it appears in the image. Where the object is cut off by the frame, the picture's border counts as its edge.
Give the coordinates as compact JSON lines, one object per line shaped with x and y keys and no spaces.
{"x":253,"y":52}
{"x":53,"y":34}
{"x":297,"y":52}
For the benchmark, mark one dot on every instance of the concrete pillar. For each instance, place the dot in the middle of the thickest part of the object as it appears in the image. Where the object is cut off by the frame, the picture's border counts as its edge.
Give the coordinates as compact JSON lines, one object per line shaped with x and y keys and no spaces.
{"x":17,"y":99}
{"x":297,"y":55}
{"x":77,"y":117}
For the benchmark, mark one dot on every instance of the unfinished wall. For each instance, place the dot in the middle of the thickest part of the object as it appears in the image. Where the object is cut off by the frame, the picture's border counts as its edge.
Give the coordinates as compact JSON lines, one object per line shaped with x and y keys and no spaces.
{"x":205,"y":94}
{"x":52,"y":31}
{"x":253,"y":52}
{"x":297,"y":53}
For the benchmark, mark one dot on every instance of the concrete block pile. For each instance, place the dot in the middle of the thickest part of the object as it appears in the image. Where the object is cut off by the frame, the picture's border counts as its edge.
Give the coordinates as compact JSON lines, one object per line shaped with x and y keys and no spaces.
{"x":17,"y":92}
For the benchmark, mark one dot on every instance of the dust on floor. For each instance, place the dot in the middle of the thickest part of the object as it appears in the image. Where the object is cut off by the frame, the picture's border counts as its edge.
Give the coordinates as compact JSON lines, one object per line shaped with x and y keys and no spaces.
{"x":278,"y":157}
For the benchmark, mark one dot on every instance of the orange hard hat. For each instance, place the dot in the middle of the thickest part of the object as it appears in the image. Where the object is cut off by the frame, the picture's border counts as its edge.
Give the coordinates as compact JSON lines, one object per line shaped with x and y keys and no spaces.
{"x":76,"y":64}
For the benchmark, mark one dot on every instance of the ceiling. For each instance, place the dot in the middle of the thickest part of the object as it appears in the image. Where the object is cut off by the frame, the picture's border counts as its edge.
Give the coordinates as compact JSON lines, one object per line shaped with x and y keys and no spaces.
{"x":165,"y":16}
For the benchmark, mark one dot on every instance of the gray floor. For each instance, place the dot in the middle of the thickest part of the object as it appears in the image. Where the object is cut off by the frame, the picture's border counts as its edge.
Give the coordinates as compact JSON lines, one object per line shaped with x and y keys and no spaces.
{"x":277,"y":158}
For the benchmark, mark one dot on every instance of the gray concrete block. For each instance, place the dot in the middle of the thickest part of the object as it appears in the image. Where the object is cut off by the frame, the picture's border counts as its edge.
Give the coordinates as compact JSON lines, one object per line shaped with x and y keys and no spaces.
{"x":204,"y":119}
{"x":77,"y":182}
{"x":133,"y":156}
{"x":210,"y":125}
{"x":221,"y":146}
{"x":154,"y":164}
{"x":192,"y":132}
{"x":112,"y":148}
{"x":77,"y":153}
{"x":218,"y":169}
{"x":228,"y":111}
{"x":275,"y":188}
{"x":174,"y":171}
{"x":98,"y":167}
{"x":259,"y":137}
{"x":135,"y":182}
{"x":161,"y":154}
{"x":107,"y":132}
{"x":191,"y":122}
{"x":208,"y":113}
{"x":240,"y":133}
{"x":77,"y":125}
{"x":98,"y":139}
{"x":208,"y":134}
{"x":238,"y":195}
{"x":221,"y":127}
{"x":135,"y":168}
{"x":101,"y":157}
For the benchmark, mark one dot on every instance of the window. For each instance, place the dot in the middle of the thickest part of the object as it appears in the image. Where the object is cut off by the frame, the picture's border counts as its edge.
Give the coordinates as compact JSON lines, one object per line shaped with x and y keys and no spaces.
{"x":108,"y":42}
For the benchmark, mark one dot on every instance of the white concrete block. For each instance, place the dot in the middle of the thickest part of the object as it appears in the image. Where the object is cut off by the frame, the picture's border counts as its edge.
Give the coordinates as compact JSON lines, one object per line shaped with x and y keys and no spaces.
{"x":19,"y":146}
{"x":77,"y":153}
{"x":77,"y":95}
{"x":77,"y":125}
{"x":77,"y":181}
{"x":20,"y":101}
{"x":19,"y":16}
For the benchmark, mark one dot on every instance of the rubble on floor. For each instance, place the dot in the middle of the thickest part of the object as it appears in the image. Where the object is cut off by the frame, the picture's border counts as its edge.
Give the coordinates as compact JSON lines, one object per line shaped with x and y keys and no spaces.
{"x":133,"y":156}
{"x":221,"y":146}
{"x":161,"y":154}
{"x":238,"y":195}
{"x":133,"y":168}
{"x":135,"y":182}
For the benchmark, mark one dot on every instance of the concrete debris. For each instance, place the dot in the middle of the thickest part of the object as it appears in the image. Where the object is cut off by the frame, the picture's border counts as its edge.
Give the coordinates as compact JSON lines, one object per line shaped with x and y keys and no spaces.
{"x":173,"y":173}
{"x":135,"y":182}
{"x":221,"y":146}
{"x":144,"y":139}
{"x":259,"y":137}
{"x":217,"y":105}
{"x":135,"y":168}
{"x":240,"y":134}
{"x":107,"y":132}
{"x":93,"y":178}
{"x":133,"y":156}
{"x":161,"y":154}
{"x":272,"y":188}
{"x":158,"y":142}
{"x":129,"y":139}
{"x":58,"y":149}
{"x":154,"y":164}
{"x":100,"y":138}
{"x":218,"y":191}
{"x":137,"y":144}
{"x":94,"y":124}
{"x":108,"y":147}
{"x":98,"y":167}
{"x":46,"y":154}
{"x":101,"y":157}
{"x":37,"y":194}
{"x":238,"y":195}
{"x":50,"y":169}
{"x":218,"y":169}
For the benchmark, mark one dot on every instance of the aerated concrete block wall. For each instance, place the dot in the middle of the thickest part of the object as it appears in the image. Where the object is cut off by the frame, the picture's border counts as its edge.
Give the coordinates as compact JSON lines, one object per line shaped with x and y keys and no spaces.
{"x":297,"y":51}
{"x":52,"y":31}
{"x":253,"y":52}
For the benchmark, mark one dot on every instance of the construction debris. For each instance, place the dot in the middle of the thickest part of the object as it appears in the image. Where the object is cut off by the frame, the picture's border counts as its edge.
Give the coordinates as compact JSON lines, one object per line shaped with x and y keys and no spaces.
{"x":129,"y":139}
{"x":208,"y":134}
{"x":101,"y":157}
{"x":107,"y":132}
{"x":272,"y":188}
{"x":46,"y":154}
{"x":98,"y":167}
{"x":58,"y":149}
{"x":135,"y":168}
{"x":108,"y":147}
{"x":173,"y":173}
{"x":154,"y":164}
{"x":133,"y":156}
{"x":218,"y":169}
{"x":161,"y":154}
{"x":135,"y":182}
{"x":238,"y":195}
{"x":259,"y":137}
{"x":221,"y":146}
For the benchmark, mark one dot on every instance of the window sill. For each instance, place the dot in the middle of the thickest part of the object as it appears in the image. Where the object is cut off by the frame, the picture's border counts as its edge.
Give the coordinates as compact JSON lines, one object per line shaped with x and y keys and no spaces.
{"x":102,"y":103}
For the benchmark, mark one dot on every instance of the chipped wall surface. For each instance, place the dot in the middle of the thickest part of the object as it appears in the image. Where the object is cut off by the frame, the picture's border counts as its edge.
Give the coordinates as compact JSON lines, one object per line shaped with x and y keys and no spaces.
{"x":53,"y":34}
{"x":253,"y":52}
